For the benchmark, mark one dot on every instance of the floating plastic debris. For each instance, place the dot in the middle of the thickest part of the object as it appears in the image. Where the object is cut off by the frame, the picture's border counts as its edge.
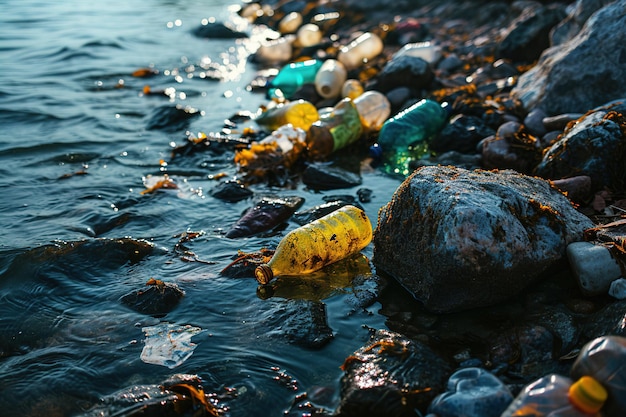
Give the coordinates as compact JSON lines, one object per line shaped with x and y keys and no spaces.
{"x":168,"y":344}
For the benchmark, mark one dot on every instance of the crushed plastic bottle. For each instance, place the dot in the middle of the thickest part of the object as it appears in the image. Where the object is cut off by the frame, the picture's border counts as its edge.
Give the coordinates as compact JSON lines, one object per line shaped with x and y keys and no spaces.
{"x":604,"y":359}
{"x":322,"y":242}
{"x":293,"y":76}
{"x":279,"y":150}
{"x":298,"y":113}
{"x":472,"y":392}
{"x":363,"y":48}
{"x":558,"y":396}
{"x":335,"y":130}
{"x":330,"y":78}
{"x":404,"y":138}
{"x":374,"y":109}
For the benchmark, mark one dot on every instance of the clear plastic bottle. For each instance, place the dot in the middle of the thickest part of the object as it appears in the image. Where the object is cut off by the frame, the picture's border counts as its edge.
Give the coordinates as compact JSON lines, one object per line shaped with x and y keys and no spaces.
{"x":276,"y":51}
{"x":335,"y":130}
{"x":472,"y":392}
{"x":324,"y":241}
{"x":330,"y":78}
{"x":293,"y":76}
{"x":374,"y":109}
{"x":425,"y":50}
{"x":405,"y":136}
{"x":557,"y":396}
{"x":604,"y":359}
{"x":299,"y":113}
{"x":365,"y":47}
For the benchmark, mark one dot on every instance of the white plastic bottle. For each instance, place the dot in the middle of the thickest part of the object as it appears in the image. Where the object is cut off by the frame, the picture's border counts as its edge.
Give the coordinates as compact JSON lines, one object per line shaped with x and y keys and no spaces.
{"x":330,"y":78}
{"x":365,"y":47}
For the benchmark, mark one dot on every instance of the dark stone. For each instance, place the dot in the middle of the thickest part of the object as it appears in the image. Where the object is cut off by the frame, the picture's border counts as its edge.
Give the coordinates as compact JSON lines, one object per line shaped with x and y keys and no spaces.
{"x":571,"y":25}
{"x":511,"y":148}
{"x":269,"y":213}
{"x":582,"y":73}
{"x":391,"y":376}
{"x":405,"y":71}
{"x":218,"y":30}
{"x":459,"y":239}
{"x":158,"y":299}
{"x":534,"y":122}
{"x":577,"y":189}
{"x":307,"y":216}
{"x":461,"y":134}
{"x":321,"y":176}
{"x":610,"y":320}
{"x":560,"y":121}
{"x":301,"y":322}
{"x":595,"y":146}
{"x":528,"y":35}
{"x":231,"y":191}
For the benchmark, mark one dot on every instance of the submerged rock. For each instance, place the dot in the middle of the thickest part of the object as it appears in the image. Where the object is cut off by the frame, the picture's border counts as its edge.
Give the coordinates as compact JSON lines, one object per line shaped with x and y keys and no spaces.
{"x":218,"y":30}
{"x":461,"y":239}
{"x":172,"y":118}
{"x":584,"y":72}
{"x":301,"y":322}
{"x":391,"y":376}
{"x":158,"y":299}
{"x":321,"y":176}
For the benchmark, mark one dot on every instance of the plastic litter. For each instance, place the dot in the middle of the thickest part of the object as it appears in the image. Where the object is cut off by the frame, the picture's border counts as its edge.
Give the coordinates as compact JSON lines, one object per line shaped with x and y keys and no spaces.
{"x":168,"y":344}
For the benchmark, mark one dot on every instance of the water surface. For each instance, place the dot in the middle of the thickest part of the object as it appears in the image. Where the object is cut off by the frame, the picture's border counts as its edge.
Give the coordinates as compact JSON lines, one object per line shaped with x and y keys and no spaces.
{"x":75,"y":147}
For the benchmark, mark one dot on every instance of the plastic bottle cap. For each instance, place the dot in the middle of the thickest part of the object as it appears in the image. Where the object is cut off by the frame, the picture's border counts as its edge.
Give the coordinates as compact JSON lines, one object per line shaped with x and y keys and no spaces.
{"x":587,"y":394}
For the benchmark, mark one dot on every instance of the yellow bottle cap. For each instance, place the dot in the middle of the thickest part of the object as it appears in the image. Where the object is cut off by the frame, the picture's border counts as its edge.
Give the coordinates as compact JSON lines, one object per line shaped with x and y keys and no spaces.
{"x":587,"y":394}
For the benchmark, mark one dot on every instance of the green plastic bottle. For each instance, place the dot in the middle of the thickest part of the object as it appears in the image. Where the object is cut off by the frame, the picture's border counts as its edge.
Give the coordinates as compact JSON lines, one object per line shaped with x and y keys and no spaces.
{"x":404,"y":137}
{"x":322,"y":242}
{"x":293,"y":76}
{"x":335,"y":130}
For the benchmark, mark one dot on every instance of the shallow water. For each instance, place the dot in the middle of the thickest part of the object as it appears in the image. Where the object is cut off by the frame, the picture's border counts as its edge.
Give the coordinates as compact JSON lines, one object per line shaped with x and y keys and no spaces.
{"x":75,"y":145}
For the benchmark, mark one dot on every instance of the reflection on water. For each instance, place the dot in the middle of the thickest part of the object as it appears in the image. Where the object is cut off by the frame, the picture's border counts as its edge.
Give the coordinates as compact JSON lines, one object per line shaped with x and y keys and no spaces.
{"x":76,"y":234}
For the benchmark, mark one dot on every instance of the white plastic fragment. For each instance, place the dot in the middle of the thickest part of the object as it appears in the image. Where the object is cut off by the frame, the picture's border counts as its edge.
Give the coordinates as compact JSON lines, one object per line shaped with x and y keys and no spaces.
{"x":168,"y":344}
{"x":593,"y":266}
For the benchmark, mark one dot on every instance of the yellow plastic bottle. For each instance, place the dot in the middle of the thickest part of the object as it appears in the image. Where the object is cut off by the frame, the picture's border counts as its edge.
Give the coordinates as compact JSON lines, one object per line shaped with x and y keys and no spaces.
{"x":298,"y":113}
{"x":309,"y":248}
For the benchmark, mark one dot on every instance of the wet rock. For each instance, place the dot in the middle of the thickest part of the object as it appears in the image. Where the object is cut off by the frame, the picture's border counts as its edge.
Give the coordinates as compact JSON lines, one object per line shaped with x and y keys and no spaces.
{"x":171,"y":118}
{"x":307,"y":216}
{"x":534,"y":122}
{"x":528,"y":35}
{"x":405,"y":71}
{"x":450,"y":63}
{"x":511,"y":148}
{"x":461,"y":134}
{"x":158,"y":299}
{"x":459,"y":239}
{"x":301,"y":322}
{"x":218,"y":30}
{"x":576,"y":18}
{"x":178,"y":395}
{"x":577,"y":189}
{"x":266,"y":215}
{"x":321,"y":176}
{"x":391,"y":375}
{"x":560,"y":121}
{"x":231,"y":191}
{"x":454,"y":158}
{"x":594,"y":146}
{"x":582,"y":73}
{"x":610,"y":320}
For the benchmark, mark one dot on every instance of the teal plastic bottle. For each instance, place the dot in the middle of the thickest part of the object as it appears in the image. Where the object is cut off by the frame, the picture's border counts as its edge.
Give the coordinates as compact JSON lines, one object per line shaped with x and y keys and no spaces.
{"x":404,"y":137}
{"x":293,"y":76}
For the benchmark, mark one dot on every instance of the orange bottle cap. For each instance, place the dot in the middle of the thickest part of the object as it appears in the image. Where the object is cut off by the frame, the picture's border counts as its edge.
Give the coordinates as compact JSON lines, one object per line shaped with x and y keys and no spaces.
{"x":587,"y":394}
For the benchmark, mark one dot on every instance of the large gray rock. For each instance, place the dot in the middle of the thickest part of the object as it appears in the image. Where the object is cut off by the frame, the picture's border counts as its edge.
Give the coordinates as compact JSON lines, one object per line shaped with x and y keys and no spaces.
{"x":585,"y":71}
{"x":576,"y":18}
{"x":461,"y":239}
